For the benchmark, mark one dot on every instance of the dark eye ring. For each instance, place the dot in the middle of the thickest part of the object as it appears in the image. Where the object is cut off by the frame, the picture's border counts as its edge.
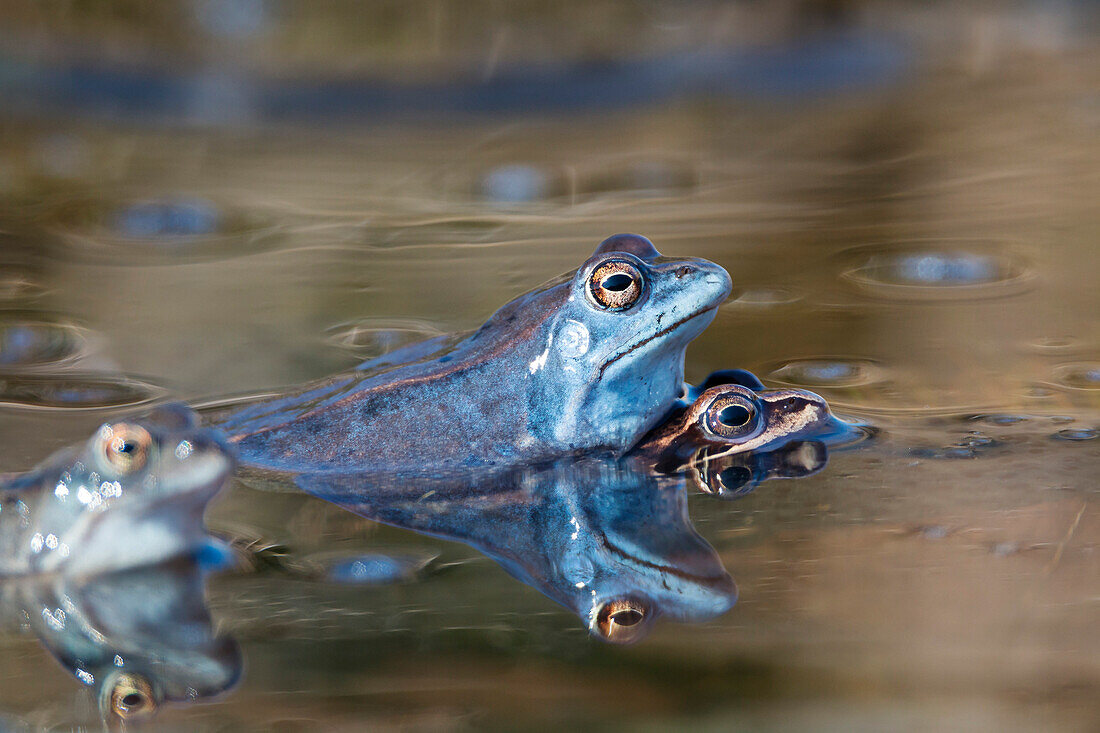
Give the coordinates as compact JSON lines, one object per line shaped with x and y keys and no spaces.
{"x":124,"y":446}
{"x":615,"y":285}
{"x":731,"y":417}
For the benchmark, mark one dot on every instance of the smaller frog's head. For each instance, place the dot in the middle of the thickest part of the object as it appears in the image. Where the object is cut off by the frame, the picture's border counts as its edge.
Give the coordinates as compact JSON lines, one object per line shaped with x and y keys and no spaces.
{"x":729,"y":419}
{"x":134,"y":493}
{"x":613,"y":356}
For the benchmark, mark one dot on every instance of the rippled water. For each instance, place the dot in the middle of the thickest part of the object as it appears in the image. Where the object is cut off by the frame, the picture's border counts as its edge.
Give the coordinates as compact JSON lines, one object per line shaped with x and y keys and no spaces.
{"x":920,"y":250}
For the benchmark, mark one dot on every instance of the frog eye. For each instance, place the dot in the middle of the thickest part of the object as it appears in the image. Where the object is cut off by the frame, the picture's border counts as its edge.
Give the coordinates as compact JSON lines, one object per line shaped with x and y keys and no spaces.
{"x":732,"y":416}
{"x":615,"y":285}
{"x":125,"y":447}
{"x":132,"y":697}
{"x":622,"y":621}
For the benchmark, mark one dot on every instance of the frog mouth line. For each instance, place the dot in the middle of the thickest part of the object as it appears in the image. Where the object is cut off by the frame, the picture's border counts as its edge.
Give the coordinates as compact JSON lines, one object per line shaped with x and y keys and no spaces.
{"x":660,"y":567}
{"x":647,"y":339}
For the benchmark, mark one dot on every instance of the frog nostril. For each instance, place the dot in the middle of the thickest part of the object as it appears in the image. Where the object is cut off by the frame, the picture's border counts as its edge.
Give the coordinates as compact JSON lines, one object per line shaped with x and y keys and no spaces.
{"x":683,"y":271}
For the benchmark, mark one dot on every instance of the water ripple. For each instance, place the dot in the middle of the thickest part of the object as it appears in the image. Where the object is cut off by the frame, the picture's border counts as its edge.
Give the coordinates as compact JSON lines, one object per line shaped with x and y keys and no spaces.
{"x":28,"y":343}
{"x":169,"y":228}
{"x":75,"y":391}
{"x":1080,"y":375}
{"x":936,"y":271}
{"x":372,"y":337}
{"x":1077,"y":434}
{"x":828,"y":372}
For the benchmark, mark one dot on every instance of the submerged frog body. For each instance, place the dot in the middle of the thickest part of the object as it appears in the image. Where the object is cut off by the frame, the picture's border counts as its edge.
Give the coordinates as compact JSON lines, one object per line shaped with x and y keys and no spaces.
{"x":138,"y":637}
{"x":134,"y":494}
{"x":591,"y":360}
{"x":607,"y":539}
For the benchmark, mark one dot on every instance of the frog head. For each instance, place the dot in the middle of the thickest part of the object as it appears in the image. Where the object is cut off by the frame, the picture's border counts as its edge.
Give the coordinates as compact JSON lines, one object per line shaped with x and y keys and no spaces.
{"x":730,"y":419}
{"x":611,"y":356}
{"x":133,"y":494}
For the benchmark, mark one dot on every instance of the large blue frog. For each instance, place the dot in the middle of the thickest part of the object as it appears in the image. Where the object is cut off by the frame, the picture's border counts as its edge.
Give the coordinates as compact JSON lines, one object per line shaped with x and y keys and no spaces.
{"x":589,"y":361}
{"x":132,"y":495}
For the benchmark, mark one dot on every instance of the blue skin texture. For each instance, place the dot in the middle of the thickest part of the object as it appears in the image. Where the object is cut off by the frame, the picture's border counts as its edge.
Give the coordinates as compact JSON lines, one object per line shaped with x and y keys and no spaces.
{"x":149,"y":622}
{"x":552,"y":373}
{"x":78,"y":513}
{"x":588,"y":533}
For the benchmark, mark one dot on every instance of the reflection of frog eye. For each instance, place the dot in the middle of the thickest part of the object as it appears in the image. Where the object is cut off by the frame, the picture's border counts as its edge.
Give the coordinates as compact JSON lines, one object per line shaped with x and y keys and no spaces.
{"x":622,"y":621}
{"x":132,"y":697}
{"x":731,"y":416}
{"x":615,"y":285}
{"x":125,"y":447}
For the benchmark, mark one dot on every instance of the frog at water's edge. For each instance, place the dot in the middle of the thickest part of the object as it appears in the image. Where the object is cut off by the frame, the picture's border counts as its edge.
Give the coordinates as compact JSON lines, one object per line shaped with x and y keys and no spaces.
{"x":589,"y":361}
{"x":133,"y":495}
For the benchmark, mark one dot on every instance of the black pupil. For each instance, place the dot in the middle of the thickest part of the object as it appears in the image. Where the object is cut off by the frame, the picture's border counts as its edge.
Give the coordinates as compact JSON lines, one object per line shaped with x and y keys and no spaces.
{"x":734,"y":416}
{"x":734,"y":478}
{"x":628,"y":617}
{"x":127,"y":447}
{"x":132,"y":699}
{"x":617,"y":282}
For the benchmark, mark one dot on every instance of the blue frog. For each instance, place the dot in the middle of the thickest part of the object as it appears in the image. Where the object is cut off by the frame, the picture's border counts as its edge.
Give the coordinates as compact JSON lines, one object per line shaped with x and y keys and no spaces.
{"x":132,"y":495}
{"x":589,"y":361}
{"x":608,"y":539}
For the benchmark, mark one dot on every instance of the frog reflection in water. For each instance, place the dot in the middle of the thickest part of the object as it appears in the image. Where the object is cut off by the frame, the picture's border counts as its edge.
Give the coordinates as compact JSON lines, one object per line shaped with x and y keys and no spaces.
{"x":591,"y":360}
{"x":134,"y":494}
{"x":80,"y":539}
{"x":138,"y":637}
{"x":608,"y":540}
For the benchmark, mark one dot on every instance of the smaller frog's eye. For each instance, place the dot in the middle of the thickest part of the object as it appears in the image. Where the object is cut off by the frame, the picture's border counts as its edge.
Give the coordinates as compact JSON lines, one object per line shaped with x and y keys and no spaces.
{"x":615,"y":285}
{"x":733,"y":416}
{"x":125,"y":447}
{"x":132,"y":697}
{"x":622,"y":621}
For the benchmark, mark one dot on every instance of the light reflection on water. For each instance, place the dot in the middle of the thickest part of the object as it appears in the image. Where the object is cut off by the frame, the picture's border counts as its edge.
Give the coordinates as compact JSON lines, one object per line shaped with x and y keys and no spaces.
{"x":923,"y":256}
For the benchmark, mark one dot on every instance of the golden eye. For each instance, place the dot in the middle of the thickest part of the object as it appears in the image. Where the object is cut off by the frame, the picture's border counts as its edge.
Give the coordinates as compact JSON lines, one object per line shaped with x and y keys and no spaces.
{"x":132,"y":697}
{"x":125,"y":447}
{"x":615,"y":285}
{"x":732,"y":416}
{"x":622,"y":621}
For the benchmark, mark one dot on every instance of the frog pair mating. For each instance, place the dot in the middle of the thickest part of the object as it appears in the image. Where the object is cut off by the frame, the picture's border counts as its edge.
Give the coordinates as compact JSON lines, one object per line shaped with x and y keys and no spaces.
{"x":590,"y":362}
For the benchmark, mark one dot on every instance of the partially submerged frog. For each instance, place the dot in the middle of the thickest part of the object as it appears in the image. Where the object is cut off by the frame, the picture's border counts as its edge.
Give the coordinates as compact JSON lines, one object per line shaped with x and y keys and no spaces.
{"x":138,"y":637}
{"x":589,"y":361}
{"x":730,"y":419}
{"x":607,"y":539}
{"x":132,"y":495}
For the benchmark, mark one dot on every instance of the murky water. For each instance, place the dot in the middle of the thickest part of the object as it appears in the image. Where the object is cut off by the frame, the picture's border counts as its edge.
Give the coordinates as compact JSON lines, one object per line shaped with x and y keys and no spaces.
{"x":917,"y":246}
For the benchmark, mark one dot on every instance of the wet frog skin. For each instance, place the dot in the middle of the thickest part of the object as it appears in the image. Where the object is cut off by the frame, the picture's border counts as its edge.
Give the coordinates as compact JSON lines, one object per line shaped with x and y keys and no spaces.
{"x":609,"y":540}
{"x":591,"y":360}
{"x":134,"y":494}
{"x":731,"y":419}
